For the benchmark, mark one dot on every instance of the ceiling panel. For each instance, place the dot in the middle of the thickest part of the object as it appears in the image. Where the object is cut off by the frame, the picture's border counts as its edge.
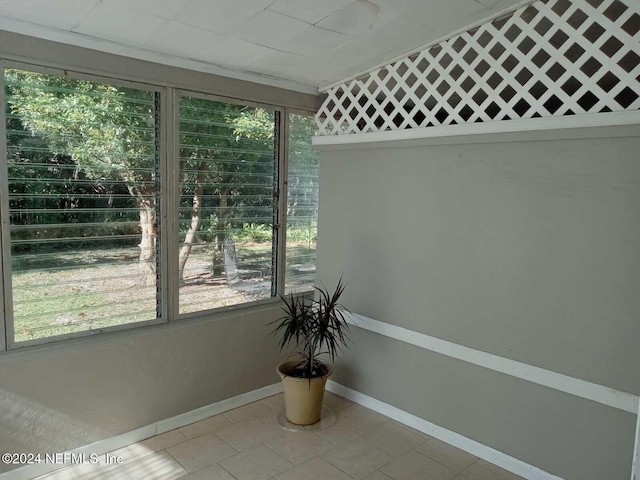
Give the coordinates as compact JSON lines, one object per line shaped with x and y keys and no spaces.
{"x":121,"y":25}
{"x":308,"y":42}
{"x":220,"y":16}
{"x":308,"y":70}
{"x":315,"y":41}
{"x":176,"y":38}
{"x":398,"y":34}
{"x":161,"y":8}
{"x":311,"y":11}
{"x":270,"y":29}
{"x":233,"y":52}
{"x":352,"y":20}
{"x":439,"y":14}
{"x":62,"y":14}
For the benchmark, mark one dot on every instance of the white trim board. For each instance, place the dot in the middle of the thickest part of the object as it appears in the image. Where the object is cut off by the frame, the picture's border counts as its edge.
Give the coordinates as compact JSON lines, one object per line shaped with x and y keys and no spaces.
{"x":581,"y":388}
{"x":516,"y":130}
{"x":452,"y":438}
{"x":112,"y":443}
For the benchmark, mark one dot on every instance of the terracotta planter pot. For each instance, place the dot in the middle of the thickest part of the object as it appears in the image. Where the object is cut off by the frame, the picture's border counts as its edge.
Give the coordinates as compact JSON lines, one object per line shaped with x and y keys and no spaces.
{"x":302,"y":400}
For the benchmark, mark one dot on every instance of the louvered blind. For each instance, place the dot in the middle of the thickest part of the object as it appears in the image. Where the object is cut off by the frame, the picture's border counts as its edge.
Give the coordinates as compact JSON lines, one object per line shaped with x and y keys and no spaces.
{"x":302,"y":205}
{"x":83,"y":204}
{"x":226,"y":211}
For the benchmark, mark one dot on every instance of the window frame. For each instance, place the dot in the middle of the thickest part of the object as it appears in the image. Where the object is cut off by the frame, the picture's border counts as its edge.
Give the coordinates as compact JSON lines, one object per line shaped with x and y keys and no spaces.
{"x":277,"y":285}
{"x":288,"y":113}
{"x":9,"y":321}
{"x":168,"y":202}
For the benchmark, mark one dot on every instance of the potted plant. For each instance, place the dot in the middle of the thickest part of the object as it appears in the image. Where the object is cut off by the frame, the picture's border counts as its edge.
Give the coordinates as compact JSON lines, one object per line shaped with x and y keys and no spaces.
{"x":317,"y":326}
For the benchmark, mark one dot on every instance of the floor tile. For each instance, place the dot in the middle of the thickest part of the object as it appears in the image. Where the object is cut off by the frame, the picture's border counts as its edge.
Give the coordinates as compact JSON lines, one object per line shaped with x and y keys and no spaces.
{"x":157,"y":443}
{"x":298,"y":447}
{"x":208,"y":425}
{"x":393,"y":439}
{"x":501,"y":472}
{"x":88,"y":470}
{"x":367,"y":417}
{"x":93,"y":474}
{"x":125,"y":454}
{"x":336,"y":403}
{"x":415,"y":466}
{"x":450,"y":456}
{"x":249,"y":434}
{"x":212,"y":472}
{"x":412,"y":430}
{"x":261,"y":463}
{"x":247,"y":443}
{"x":474,"y":472}
{"x":276,"y":402}
{"x":344,"y":430}
{"x":377,"y":475}
{"x":62,"y":474}
{"x":256,"y":409}
{"x":201,"y":452}
{"x":157,"y":466}
{"x":357,"y":458}
{"x":315,"y":469}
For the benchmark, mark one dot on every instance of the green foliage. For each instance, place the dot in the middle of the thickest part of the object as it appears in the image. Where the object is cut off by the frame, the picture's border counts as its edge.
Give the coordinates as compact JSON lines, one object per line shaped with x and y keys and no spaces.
{"x":254,"y":232}
{"x":302,"y":233}
{"x":318,"y":326}
{"x":108,"y":131}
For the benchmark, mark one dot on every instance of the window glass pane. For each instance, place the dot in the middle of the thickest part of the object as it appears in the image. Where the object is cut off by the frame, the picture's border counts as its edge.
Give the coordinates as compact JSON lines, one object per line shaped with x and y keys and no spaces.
{"x":302,"y":205}
{"x":226,"y":211}
{"x":83,"y":190}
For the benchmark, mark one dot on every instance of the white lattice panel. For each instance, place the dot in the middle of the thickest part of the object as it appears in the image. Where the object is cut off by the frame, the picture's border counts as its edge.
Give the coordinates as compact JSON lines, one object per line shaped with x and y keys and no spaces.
{"x":551,"y":58}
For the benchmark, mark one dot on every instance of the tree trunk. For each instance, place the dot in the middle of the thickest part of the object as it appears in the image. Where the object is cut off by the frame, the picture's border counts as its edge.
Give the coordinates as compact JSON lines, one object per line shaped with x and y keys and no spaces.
{"x":195,"y":224}
{"x":148,"y":240}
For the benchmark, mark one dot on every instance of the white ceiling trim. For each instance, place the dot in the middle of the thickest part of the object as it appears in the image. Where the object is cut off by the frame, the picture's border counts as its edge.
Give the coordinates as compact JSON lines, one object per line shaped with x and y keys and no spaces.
{"x":79,"y":40}
{"x":498,"y":14}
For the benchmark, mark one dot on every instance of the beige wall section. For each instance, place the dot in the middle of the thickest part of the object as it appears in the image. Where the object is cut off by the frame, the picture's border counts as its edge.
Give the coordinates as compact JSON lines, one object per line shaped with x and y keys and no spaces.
{"x":14,"y":46}
{"x":61,"y":396}
{"x":527,"y":250}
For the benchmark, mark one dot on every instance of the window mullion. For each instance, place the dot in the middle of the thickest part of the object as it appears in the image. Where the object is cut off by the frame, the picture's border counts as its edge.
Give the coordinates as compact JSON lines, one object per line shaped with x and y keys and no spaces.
{"x":171,"y":201}
{"x":6,"y":330}
{"x":283,"y":155}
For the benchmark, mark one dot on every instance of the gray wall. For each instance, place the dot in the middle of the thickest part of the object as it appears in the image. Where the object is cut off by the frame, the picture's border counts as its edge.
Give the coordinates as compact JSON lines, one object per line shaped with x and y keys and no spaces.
{"x":527,"y":250}
{"x":58,"y":397}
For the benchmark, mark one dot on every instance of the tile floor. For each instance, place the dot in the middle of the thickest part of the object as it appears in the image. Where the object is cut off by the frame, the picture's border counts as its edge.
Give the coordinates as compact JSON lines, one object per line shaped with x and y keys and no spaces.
{"x":248,"y":444}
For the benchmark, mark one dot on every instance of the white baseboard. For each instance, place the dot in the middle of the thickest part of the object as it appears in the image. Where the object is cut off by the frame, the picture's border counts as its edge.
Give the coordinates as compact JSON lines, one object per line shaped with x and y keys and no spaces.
{"x":459,"y":441}
{"x":142,"y":433}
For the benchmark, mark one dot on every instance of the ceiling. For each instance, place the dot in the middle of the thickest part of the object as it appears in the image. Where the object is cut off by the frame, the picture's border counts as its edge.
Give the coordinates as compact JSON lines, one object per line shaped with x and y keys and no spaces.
{"x":299,"y":44}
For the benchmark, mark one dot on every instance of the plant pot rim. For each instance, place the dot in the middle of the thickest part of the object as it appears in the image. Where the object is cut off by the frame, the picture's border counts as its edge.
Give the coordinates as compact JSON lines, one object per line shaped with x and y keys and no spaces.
{"x":292,"y":363}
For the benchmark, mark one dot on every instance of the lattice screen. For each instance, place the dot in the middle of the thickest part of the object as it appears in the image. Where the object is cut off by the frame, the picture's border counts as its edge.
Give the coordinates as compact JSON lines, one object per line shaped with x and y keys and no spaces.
{"x":556,"y":57}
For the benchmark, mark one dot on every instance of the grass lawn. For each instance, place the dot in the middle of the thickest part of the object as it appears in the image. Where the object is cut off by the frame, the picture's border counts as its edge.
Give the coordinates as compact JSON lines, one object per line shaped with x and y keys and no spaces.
{"x":62,"y":293}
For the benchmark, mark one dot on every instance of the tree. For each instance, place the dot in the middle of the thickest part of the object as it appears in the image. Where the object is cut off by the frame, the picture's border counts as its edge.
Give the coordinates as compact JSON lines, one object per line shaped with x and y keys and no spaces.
{"x":230,"y":168}
{"x":108,"y":132}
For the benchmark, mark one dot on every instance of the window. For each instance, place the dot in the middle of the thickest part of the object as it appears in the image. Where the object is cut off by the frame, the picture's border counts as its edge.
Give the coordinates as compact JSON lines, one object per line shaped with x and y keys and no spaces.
{"x":302,"y":205}
{"x":105,"y":228}
{"x":228,"y":165}
{"x":83,"y":191}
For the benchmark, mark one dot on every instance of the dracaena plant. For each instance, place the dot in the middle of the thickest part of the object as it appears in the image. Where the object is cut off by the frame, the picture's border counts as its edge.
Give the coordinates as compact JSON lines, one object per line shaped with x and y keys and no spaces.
{"x":317,"y":326}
